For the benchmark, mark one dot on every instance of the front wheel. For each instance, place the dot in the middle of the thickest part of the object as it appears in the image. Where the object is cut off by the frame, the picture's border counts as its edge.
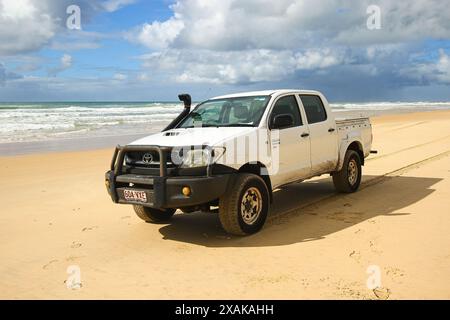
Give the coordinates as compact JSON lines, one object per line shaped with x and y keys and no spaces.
{"x":348,"y":178}
{"x":153,"y":215}
{"x":244,"y":207}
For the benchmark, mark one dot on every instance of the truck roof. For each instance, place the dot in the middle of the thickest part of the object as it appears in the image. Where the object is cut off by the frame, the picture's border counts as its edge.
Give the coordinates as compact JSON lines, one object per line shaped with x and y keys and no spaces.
{"x":266,"y":93}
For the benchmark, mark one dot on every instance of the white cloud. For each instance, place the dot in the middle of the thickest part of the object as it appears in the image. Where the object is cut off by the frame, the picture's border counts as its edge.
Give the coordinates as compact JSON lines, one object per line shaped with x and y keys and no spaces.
{"x":437,"y":71}
{"x":402,"y":22}
{"x":143,"y":77}
{"x":157,"y":34}
{"x":245,"y":41}
{"x":234,"y":67}
{"x":66,"y":61}
{"x":114,"y":5}
{"x":120,"y":76}
{"x":64,"y":64}
{"x":29,"y":25}
{"x":318,"y":59}
{"x":442,"y":68}
{"x":17,"y":9}
{"x":24,"y":26}
{"x":288,"y":24}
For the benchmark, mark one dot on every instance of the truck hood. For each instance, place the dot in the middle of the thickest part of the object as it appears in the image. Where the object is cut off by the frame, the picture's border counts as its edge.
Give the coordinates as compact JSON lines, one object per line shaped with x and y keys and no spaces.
{"x":193,"y":136}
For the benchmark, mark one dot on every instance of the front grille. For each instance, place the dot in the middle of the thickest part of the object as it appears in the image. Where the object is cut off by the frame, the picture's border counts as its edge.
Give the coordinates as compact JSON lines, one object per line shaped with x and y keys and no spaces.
{"x":145,"y":159}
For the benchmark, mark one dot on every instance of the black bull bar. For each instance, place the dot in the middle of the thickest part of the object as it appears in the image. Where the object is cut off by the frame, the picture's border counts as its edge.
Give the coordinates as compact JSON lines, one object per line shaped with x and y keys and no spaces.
{"x":163,"y":191}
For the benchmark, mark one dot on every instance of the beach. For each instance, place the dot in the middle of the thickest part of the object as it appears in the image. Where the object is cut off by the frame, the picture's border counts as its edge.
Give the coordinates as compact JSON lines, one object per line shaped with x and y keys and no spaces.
{"x":317,"y":244}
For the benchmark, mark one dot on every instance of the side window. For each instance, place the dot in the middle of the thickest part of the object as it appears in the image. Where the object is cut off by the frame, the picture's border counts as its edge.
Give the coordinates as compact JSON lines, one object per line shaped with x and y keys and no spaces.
{"x":287,"y":105}
{"x":314,"y":109}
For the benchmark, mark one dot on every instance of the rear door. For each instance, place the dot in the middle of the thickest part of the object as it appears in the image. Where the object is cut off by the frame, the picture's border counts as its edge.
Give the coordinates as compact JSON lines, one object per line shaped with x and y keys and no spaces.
{"x":288,"y":145}
{"x":323,"y":134}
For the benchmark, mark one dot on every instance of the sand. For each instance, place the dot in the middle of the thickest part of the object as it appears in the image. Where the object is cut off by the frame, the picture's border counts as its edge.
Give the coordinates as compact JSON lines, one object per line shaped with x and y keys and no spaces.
{"x":56,"y":214}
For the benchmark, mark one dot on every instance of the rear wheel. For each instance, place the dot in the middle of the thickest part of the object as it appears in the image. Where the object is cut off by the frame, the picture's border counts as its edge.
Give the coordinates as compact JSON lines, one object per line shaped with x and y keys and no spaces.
{"x":243,"y":209}
{"x":348,"y":178}
{"x":153,"y":215}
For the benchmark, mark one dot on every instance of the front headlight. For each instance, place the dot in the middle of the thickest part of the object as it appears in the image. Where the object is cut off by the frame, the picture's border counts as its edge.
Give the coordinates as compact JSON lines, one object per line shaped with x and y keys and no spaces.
{"x":201,"y":157}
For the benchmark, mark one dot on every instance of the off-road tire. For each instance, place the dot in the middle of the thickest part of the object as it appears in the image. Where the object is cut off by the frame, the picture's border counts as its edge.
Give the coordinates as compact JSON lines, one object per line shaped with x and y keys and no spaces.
{"x":343,"y":180}
{"x":153,"y":215}
{"x":232,"y":207}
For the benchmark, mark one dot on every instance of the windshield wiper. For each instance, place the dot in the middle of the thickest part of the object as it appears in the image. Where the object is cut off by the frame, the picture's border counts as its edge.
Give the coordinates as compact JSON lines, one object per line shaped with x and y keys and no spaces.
{"x":202,"y":126}
{"x":221,"y":125}
{"x":209,"y":125}
{"x":237,"y":125}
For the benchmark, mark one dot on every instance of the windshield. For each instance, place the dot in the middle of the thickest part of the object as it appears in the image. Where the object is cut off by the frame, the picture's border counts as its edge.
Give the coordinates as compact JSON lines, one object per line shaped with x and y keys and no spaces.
{"x":229,"y":112}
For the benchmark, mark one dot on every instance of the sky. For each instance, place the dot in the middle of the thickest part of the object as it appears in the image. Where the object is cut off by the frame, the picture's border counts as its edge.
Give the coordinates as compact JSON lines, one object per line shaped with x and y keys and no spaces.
{"x":137,"y":50}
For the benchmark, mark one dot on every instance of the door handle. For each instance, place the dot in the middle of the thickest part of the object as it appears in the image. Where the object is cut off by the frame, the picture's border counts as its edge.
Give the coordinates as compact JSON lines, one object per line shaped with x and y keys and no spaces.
{"x":304,"y":135}
{"x":331,"y":130}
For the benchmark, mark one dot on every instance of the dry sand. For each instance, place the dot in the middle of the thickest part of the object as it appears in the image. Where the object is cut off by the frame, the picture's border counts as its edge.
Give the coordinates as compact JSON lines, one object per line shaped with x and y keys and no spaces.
{"x":55,"y":213}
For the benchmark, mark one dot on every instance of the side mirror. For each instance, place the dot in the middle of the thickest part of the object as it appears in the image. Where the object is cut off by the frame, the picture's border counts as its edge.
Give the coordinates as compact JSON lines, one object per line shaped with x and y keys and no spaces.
{"x":282,"y":121}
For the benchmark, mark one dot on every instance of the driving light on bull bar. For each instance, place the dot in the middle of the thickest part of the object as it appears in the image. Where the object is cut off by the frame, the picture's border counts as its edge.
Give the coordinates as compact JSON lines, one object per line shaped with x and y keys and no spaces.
{"x":186,"y":191}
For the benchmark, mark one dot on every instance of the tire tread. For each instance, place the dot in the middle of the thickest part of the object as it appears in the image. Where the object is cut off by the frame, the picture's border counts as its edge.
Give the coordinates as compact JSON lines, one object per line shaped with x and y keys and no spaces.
{"x":340,"y":179}
{"x":228,"y":204}
{"x":153,"y":215}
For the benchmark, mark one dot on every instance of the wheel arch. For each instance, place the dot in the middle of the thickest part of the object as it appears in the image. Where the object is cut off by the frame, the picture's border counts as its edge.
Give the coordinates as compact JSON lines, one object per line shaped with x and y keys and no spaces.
{"x":260,"y":170}
{"x":355,"y":145}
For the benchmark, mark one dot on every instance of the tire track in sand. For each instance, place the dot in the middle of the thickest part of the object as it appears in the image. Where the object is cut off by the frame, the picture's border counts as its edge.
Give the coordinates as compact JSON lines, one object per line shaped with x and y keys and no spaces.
{"x":366,"y":184}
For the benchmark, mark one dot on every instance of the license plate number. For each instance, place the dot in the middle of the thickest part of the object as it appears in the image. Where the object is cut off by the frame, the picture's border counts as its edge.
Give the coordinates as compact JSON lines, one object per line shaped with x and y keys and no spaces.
{"x":133,"y":195}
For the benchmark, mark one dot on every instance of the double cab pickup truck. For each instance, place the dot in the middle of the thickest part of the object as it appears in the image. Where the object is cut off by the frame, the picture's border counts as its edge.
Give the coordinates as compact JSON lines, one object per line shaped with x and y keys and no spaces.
{"x":229,"y":153}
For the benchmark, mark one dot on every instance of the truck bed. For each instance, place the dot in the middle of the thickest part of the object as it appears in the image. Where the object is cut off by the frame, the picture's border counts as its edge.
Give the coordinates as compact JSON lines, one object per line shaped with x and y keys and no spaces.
{"x":350,"y":128}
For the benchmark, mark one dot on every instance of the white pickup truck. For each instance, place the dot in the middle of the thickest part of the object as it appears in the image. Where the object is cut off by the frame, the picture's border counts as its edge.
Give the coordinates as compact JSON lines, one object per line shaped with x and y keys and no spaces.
{"x":232,"y":151}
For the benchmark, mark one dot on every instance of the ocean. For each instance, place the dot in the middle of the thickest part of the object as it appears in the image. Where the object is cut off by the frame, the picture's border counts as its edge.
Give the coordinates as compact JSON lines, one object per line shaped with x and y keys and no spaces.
{"x":28,"y":122}
{"x":59,"y":120}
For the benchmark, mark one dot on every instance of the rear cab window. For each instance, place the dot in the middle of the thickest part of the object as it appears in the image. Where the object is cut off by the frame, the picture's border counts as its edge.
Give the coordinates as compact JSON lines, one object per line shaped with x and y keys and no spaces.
{"x":314,"y":108}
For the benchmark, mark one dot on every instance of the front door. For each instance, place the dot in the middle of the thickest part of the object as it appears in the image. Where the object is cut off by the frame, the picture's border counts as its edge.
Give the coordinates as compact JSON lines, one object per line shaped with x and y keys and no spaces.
{"x":290,"y":145}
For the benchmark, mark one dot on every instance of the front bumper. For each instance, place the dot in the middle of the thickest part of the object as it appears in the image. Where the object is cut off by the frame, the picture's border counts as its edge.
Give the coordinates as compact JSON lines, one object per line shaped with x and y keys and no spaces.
{"x":162,"y":191}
